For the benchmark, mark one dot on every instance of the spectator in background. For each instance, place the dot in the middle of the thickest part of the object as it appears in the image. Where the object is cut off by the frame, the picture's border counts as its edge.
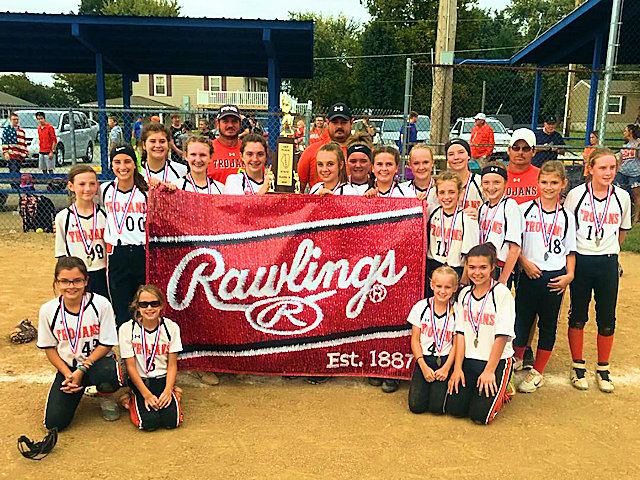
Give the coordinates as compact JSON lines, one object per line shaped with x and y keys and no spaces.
{"x":14,"y":146}
{"x":245,"y":126}
{"x":482,"y":141}
{"x":226,"y":158}
{"x":412,"y":133}
{"x":176,"y":145}
{"x":593,"y":144}
{"x":364,"y":125}
{"x":255,"y":126}
{"x":318,"y":130}
{"x":116,"y":135}
{"x":205,"y":131}
{"x":154,"y":118}
{"x":136,"y":130}
{"x":522,"y":177}
{"x":47,"y":141}
{"x":546,"y":139}
{"x":339,"y":131}
{"x":298,"y":135}
{"x":628,"y":176}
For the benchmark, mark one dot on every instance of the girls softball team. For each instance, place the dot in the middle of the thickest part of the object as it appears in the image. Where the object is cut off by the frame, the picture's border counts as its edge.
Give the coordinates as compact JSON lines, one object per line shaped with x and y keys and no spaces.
{"x":463,"y":348}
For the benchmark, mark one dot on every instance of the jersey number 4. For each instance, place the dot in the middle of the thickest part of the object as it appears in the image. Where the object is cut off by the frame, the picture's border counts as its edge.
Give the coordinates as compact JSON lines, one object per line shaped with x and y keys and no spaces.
{"x":87,"y":348}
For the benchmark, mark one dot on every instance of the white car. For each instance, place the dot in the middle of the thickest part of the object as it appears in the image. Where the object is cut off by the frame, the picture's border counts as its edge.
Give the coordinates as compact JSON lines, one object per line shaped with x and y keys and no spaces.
{"x":462,"y":129}
{"x":85,"y":134}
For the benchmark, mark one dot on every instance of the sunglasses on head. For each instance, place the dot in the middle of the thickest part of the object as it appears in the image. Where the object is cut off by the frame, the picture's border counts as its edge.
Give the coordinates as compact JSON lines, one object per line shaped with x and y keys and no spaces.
{"x":516,"y":148}
{"x":154,"y":304}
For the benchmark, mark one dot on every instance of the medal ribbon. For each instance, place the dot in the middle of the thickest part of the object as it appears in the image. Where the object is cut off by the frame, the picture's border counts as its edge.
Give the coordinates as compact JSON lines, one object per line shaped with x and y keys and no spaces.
{"x":195,"y":187}
{"x":87,"y":246}
{"x":164,"y":173}
{"x":484,"y":234}
{"x":475,"y":323}
{"x":447,"y":245}
{"x":547,"y":236}
{"x":248,"y":180}
{"x":149,"y":359}
{"x":393,"y":187}
{"x":73,"y":342}
{"x":415,"y":189}
{"x":599,"y":221}
{"x":120,"y":225}
{"x":466,"y":191}
{"x":338,"y":185}
{"x":438,"y":339}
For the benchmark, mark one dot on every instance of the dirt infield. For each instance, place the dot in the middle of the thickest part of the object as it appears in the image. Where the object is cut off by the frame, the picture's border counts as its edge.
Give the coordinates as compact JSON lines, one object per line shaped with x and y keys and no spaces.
{"x":257,"y":427}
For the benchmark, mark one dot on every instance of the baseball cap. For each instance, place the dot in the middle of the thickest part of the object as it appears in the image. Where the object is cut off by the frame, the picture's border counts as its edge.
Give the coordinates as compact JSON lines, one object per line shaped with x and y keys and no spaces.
{"x":125,"y":149}
{"x":523,"y":134}
{"x":154,"y":118}
{"x":480,"y":116}
{"x":339,"y":110}
{"x":228,"y":111}
{"x":549,"y":119}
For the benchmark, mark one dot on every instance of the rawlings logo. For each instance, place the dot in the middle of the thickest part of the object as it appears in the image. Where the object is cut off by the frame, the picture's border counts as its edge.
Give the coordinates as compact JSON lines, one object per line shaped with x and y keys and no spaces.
{"x":283,"y":315}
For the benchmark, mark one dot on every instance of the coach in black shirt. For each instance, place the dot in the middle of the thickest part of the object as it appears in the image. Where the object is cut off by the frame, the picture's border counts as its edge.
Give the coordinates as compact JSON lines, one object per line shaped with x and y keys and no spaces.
{"x":545,"y":139}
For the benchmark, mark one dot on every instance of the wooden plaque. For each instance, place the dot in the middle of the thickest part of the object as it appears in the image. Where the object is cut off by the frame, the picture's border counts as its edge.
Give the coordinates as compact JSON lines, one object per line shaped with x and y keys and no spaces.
{"x":283,"y":166}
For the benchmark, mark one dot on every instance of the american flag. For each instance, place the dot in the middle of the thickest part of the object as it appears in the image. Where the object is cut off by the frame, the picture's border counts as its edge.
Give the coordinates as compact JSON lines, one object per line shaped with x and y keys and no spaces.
{"x":14,"y":143}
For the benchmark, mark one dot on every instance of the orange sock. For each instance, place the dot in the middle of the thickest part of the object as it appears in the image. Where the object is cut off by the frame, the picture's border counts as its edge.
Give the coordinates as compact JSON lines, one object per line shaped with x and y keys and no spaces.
{"x":576,"y":342}
{"x":542,"y":357}
{"x":605,"y":344}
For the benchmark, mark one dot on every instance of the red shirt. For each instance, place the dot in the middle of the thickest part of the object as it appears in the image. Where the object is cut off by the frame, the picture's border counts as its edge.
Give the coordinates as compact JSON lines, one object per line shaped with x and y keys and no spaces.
{"x":481,"y":136}
{"x":46,"y":137}
{"x":225,"y":161}
{"x":307,"y":171}
{"x":317,"y":135}
{"x":523,"y":187}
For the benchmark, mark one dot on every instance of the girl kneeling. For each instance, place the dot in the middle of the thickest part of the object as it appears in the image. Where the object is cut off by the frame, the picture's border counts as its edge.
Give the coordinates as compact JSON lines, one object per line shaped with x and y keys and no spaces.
{"x":149,"y":345}
{"x":484,"y":329}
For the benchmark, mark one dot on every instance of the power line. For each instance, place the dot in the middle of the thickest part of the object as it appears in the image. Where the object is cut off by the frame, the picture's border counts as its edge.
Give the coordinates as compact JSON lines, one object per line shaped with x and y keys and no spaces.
{"x":416,"y":54}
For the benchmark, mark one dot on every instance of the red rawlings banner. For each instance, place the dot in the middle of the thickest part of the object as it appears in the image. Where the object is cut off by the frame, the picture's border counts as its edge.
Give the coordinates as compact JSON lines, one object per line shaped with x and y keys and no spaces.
{"x":289,"y":284}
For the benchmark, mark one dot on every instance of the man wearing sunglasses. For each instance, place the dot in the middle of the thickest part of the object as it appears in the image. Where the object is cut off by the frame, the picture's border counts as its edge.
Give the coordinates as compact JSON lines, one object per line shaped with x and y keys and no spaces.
{"x":522,"y":182}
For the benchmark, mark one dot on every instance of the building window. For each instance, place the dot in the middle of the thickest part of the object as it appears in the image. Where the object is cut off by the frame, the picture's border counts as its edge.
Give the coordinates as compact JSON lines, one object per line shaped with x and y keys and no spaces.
{"x":615,"y":104}
{"x":160,"y":85}
{"x":215,"y":84}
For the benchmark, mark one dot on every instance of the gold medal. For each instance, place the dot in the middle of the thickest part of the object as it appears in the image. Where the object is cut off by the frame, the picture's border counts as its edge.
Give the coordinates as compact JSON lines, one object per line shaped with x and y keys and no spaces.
{"x":89,"y":261}
{"x":597,"y":242}
{"x":475,"y":342}
{"x":439,"y":361}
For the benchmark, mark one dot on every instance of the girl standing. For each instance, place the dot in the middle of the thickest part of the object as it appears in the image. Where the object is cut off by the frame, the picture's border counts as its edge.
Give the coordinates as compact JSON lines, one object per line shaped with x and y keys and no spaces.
{"x":485,"y":318}
{"x":149,"y":345}
{"x":603,"y":216}
{"x":458,"y":154}
{"x":155,"y":155}
{"x":432,"y":331}
{"x":198,"y":152}
{"x":386,"y":161}
{"x":125,"y":200}
{"x":547,"y":266}
{"x":500,"y":220}
{"x":332,"y":172}
{"x":452,"y":233}
{"x":318,"y":131}
{"x":359,"y":163}
{"x":80,"y":228}
{"x":421,"y":164}
{"x":252,"y":181}
{"x":77,"y":331}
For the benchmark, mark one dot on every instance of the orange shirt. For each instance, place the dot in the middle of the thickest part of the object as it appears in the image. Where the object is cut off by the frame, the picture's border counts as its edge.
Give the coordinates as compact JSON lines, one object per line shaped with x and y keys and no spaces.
{"x":523,"y":187}
{"x":317,"y":135}
{"x":481,"y":135}
{"x":307,"y":171}
{"x":585,"y":154}
{"x":225,"y":161}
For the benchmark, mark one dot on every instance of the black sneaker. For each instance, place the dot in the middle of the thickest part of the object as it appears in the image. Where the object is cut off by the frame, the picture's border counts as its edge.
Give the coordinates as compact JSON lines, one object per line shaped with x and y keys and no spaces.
{"x":527,"y":359}
{"x":390,"y":385}
{"x":375,"y":382}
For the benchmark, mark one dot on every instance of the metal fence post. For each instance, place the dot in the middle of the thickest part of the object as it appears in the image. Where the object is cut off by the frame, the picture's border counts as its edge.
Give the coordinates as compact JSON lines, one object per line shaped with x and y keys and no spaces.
{"x":72,"y":132}
{"x":612,"y":52}
{"x":405,"y":128}
{"x":308,"y":120}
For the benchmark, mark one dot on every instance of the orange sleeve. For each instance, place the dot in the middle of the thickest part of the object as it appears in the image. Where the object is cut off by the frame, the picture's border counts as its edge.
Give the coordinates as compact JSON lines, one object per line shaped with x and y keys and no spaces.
{"x":303,"y":169}
{"x":491,"y":141}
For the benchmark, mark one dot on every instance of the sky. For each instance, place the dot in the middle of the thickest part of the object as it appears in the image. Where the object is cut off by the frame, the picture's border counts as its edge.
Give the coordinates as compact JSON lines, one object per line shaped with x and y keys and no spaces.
{"x":272,"y":9}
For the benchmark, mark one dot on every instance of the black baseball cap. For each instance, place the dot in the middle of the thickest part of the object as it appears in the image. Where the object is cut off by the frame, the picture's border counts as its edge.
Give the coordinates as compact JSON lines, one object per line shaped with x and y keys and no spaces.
{"x":549,"y":119}
{"x":229,"y":110}
{"x":126,"y":149}
{"x":339,"y":110}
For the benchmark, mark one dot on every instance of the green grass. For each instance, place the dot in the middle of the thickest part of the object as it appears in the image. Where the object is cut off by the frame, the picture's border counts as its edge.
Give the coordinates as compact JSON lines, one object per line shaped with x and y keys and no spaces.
{"x":632,"y":241}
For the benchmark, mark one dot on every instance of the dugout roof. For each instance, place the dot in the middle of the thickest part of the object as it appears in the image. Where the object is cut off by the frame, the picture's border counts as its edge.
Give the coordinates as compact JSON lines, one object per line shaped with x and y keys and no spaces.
{"x":135,"y":45}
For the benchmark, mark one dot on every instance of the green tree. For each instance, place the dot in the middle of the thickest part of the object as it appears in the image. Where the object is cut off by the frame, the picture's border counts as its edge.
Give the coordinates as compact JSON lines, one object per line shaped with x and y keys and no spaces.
{"x":90,"y":7}
{"x":82,"y":86}
{"x":142,"y":8}
{"x":19,"y":85}
{"x":534,"y":17}
{"x":336,"y":39}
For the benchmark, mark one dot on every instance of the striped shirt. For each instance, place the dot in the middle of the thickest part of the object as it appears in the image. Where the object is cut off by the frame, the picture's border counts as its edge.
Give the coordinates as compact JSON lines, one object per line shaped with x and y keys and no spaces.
{"x":14,"y":143}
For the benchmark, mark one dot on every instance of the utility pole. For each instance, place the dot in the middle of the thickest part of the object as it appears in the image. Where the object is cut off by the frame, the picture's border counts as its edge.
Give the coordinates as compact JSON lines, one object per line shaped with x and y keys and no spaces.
{"x":443,"y":75}
{"x":571,"y":82}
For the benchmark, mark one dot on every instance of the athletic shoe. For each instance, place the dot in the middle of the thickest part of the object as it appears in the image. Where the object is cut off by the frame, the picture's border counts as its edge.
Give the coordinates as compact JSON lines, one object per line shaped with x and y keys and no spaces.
{"x":375,"y":382}
{"x":317,"y":380}
{"x":389,"y":385}
{"x":109,"y":407}
{"x":91,"y":391}
{"x":517,"y":364}
{"x":532,"y":382}
{"x":208,"y":378}
{"x":604,"y":381}
{"x":527,"y":360}
{"x":620,"y":271}
{"x":578,"y":375}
